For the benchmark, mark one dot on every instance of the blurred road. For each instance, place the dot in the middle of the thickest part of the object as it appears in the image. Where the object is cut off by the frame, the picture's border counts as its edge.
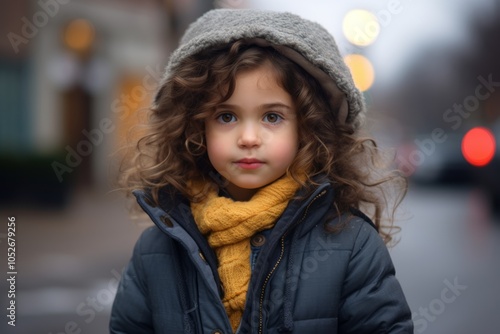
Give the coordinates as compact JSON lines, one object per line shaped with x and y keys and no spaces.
{"x":447,"y":261}
{"x":69,"y":262}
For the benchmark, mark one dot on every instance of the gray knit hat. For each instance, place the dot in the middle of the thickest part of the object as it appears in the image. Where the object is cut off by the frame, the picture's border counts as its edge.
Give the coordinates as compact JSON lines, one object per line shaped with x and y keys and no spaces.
{"x":305,"y":42}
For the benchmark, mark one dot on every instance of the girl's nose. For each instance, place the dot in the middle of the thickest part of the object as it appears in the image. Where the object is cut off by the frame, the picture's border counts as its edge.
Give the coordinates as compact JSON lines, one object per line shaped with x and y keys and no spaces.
{"x":249,"y":136}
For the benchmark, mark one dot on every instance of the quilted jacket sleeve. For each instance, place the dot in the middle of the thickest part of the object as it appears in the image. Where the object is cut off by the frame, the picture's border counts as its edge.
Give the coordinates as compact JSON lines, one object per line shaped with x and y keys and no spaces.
{"x":373,"y":301}
{"x":131,"y":312}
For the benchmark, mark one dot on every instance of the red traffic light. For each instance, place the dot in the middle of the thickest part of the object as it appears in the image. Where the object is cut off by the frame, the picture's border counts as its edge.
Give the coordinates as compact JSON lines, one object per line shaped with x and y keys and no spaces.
{"x":478,"y":146}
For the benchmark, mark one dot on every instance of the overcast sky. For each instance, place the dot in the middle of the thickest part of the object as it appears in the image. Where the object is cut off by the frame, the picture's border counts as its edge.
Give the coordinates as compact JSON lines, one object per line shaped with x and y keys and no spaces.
{"x":418,"y":25}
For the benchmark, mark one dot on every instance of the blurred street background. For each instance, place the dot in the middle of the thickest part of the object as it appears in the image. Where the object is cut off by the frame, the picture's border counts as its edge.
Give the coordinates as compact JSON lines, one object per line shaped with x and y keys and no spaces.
{"x":76,"y":74}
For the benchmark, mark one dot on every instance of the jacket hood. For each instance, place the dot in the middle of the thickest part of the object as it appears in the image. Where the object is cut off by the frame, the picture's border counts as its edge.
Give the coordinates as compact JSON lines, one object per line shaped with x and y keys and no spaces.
{"x":305,"y":42}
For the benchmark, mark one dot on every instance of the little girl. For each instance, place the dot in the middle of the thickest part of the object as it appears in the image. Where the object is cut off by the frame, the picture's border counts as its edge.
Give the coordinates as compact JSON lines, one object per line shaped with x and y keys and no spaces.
{"x":254,"y":173}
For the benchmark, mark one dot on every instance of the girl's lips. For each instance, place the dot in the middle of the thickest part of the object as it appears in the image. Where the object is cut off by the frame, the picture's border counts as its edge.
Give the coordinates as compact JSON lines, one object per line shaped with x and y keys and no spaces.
{"x":249,"y":163}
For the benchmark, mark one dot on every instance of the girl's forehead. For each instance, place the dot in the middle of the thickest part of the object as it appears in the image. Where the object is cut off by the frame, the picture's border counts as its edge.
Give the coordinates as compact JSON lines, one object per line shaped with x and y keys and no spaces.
{"x":265,"y":76}
{"x":259,"y":86}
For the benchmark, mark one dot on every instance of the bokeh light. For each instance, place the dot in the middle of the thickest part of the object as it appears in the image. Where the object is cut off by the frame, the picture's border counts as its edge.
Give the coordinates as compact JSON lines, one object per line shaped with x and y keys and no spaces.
{"x":360,"y":27}
{"x":478,"y":146}
{"x":362,"y":71}
{"x":79,"y":35}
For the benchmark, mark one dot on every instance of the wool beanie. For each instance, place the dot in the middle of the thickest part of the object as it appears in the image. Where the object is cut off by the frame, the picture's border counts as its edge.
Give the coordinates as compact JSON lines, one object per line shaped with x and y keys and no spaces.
{"x":305,"y":42}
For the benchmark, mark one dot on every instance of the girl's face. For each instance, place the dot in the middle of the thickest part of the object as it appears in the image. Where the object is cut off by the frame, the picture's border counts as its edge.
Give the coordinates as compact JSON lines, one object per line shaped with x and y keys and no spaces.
{"x":252,"y":138}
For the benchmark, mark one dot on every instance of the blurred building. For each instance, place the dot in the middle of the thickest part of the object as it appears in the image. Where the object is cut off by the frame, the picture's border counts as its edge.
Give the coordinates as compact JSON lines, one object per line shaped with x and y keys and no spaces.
{"x":73,"y":77}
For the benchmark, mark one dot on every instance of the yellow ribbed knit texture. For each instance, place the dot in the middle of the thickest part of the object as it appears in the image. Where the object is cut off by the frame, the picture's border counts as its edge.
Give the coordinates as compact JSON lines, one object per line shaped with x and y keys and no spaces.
{"x":228,"y":226}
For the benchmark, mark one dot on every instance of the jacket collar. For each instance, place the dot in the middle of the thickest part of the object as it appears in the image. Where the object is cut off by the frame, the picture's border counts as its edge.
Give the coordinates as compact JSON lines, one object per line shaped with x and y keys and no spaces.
{"x":174,"y":211}
{"x":173,"y":217}
{"x":313,"y":202}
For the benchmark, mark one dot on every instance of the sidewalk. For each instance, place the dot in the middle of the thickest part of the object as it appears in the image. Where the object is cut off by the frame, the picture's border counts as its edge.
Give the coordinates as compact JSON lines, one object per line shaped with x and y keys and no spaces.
{"x":68,"y":263}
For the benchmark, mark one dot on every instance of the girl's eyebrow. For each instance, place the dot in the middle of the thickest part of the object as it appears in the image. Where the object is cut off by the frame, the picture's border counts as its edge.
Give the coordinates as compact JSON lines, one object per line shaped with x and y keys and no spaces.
{"x":275,"y":105}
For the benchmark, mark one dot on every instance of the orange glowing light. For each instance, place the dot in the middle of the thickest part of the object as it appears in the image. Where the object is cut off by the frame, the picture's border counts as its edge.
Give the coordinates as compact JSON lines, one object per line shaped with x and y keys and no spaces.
{"x":362,"y":71}
{"x":79,"y":35}
{"x":478,"y":146}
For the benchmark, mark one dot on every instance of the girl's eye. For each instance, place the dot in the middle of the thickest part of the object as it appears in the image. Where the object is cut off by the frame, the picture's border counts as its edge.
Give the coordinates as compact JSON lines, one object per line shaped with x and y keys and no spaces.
{"x":272,"y":118}
{"x":226,"y":118}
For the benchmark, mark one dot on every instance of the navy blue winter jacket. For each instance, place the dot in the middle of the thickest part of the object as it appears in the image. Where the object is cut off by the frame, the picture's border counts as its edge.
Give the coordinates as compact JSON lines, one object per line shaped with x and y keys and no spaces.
{"x":305,"y":279}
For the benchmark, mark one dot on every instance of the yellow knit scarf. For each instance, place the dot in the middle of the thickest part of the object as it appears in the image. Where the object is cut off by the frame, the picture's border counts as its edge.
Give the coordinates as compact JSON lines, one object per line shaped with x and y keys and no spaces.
{"x":228,"y":226}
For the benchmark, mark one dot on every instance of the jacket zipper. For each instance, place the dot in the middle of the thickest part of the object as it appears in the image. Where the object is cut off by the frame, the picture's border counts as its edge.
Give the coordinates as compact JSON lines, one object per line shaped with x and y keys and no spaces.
{"x":261,"y":301}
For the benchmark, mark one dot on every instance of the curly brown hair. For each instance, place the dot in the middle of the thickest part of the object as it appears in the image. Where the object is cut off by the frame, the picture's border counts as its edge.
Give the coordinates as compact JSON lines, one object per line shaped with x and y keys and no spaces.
{"x":173,"y":150}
